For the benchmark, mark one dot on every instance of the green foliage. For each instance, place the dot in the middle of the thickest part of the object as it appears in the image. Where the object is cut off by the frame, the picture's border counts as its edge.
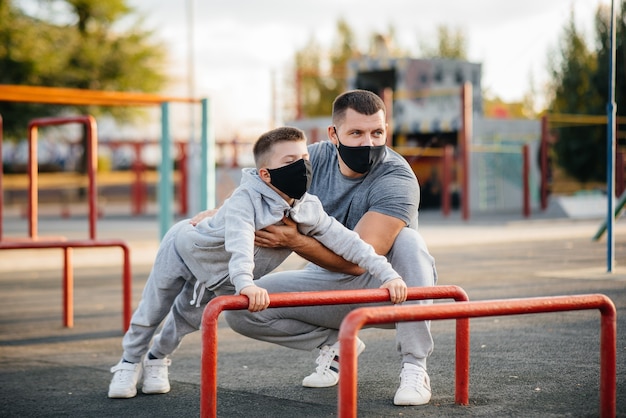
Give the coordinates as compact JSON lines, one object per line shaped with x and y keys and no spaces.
{"x":450,"y":43}
{"x":322,"y":76}
{"x":580,"y":86}
{"x":87,"y":53}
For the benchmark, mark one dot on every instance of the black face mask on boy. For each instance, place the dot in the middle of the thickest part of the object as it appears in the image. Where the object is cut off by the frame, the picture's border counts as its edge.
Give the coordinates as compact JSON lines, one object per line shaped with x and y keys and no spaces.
{"x":360,"y":159}
{"x":293,"y":179}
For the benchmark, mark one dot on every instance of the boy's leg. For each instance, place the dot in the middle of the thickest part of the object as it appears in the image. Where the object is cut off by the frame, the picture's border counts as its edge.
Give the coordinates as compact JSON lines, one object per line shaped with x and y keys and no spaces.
{"x":167,"y":277}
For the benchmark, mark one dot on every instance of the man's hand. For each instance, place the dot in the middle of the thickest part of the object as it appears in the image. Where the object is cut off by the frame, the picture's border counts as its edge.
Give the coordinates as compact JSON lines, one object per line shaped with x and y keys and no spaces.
{"x":258,"y":298}
{"x":201,"y":215}
{"x":397,"y":290}
{"x":278,"y":236}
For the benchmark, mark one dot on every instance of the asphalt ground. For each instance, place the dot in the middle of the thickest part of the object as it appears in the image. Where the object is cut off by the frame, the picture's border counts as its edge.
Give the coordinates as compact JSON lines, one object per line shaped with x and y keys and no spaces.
{"x":536,"y":365}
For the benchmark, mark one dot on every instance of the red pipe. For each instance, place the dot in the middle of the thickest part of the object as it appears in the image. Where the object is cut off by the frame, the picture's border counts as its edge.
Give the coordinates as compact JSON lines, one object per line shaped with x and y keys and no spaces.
{"x":525,"y":182}
{"x":543,"y":156}
{"x":1,"y":176}
{"x":355,"y":320}
{"x":68,"y":278}
{"x":208,"y":370}
{"x":446,"y":179}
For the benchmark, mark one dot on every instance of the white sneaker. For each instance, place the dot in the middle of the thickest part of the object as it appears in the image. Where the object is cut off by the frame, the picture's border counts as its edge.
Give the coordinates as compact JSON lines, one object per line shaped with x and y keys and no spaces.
{"x":124,"y":382}
{"x":155,"y":376}
{"x":414,"y":386}
{"x":326,"y":374}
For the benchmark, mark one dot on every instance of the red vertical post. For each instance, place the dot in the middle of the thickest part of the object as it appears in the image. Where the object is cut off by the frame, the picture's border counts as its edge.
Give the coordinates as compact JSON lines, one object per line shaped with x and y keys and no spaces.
{"x":388,"y":100}
{"x":33,"y":186}
{"x":543,"y":159}
{"x":92,"y":168}
{"x":446,"y":179}
{"x":184,"y":177}
{"x":68,"y":288}
{"x":137,"y":189}
{"x":1,"y":176}
{"x":465,"y":140}
{"x":127,"y":283}
{"x":525,"y":181}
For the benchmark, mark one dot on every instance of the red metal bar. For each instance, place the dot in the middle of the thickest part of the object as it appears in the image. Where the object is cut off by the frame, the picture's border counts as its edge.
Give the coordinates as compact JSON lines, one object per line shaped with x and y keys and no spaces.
{"x":355,"y":320}
{"x":466,"y":139}
{"x":138,"y":187}
{"x":184,"y":177}
{"x":446,"y":178}
{"x":1,"y":176}
{"x":68,"y":289}
{"x":525,"y":182}
{"x":68,"y":278}
{"x":208,"y":383}
{"x":543,"y":155}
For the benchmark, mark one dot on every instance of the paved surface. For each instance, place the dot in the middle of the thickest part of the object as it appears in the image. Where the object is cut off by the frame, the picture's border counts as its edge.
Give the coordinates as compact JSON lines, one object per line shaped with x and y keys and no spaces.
{"x":539,"y":365}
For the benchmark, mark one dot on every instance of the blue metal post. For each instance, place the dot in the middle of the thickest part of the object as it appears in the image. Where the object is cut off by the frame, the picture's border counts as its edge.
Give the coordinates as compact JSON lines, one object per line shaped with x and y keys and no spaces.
{"x":207,"y":165}
{"x":165,"y":174}
{"x":610,"y":160}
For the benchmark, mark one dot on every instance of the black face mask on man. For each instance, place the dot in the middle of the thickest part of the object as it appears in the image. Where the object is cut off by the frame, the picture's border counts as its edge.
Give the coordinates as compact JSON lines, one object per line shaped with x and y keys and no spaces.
{"x":293,"y":179}
{"x":360,"y":159}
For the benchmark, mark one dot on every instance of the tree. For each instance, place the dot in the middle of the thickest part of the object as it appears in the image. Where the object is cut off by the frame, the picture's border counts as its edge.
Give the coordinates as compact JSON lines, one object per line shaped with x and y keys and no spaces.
{"x":450,"y":43}
{"x":86,"y":52}
{"x":321,"y":75}
{"x":579,"y":86}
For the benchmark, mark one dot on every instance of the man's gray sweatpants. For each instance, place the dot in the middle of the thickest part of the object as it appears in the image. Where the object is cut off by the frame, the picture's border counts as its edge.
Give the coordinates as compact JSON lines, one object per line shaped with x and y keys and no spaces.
{"x":311,"y":327}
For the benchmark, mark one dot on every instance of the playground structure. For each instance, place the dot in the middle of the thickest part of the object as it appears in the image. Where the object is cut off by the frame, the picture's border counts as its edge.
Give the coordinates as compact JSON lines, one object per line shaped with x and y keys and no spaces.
{"x":208,"y":390}
{"x":355,"y":320}
{"x":33,"y":240}
{"x":461,"y":310}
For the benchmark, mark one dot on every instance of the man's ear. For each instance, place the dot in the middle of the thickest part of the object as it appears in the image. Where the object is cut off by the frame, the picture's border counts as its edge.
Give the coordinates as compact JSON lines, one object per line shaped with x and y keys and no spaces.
{"x":332,"y":134}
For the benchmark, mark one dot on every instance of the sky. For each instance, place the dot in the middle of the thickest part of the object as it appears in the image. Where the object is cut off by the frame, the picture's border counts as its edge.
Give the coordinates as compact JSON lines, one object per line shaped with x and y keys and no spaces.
{"x":240,"y":46}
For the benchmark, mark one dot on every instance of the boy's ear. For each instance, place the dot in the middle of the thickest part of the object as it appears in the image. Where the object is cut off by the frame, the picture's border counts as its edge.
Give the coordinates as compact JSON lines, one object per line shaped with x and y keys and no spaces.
{"x":265,"y":175}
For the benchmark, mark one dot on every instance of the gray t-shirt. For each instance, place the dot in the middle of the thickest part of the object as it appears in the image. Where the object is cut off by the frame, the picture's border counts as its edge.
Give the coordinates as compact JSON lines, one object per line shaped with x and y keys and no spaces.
{"x":390,"y":188}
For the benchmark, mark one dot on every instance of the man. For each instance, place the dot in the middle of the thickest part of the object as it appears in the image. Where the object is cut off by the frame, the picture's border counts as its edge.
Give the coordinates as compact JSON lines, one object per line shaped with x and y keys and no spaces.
{"x":372,"y":190}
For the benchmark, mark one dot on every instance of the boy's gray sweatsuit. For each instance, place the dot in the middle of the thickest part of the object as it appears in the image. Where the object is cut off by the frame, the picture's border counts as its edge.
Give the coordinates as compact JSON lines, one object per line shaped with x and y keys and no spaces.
{"x":218,"y":254}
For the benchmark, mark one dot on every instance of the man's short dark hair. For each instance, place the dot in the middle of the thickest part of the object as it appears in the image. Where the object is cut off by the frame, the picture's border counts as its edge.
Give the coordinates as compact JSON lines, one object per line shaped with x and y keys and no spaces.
{"x":362,"y":101}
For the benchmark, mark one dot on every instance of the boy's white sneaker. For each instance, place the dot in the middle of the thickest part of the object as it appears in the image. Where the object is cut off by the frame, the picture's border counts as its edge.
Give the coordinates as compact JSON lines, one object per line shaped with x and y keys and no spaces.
{"x":326,"y":373}
{"x":124,"y":382}
{"x":414,"y":386}
{"x":155,"y":376}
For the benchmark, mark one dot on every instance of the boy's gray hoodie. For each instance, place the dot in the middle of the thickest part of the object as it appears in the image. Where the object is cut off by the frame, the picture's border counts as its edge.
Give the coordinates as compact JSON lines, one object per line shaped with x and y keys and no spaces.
{"x":223,"y":246}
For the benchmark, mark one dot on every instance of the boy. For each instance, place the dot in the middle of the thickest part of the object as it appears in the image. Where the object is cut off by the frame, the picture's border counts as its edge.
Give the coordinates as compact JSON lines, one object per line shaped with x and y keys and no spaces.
{"x":219,"y":254}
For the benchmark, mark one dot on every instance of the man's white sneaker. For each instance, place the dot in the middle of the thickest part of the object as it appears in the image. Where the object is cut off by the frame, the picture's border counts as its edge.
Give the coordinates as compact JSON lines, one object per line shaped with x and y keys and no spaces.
{"x":326,"y":373}
{"x":124,"y":382}
{"x":414,"y":386}
{"x":155,"y":376}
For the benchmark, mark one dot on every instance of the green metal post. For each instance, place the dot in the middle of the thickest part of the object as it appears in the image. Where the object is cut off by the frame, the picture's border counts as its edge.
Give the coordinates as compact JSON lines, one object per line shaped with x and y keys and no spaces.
{"x":165,"y":174}
{"x":207,"y":164}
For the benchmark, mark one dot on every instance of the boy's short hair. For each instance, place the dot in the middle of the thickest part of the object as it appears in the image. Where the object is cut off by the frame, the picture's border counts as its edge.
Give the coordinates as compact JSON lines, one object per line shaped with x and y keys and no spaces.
{"x":362,"y":101}
{"x":265,"y":144}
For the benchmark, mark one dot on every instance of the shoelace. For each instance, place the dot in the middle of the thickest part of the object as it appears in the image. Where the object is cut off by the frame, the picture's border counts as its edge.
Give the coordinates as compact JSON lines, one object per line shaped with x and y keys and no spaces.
{"x":324,"y":360}
{"x":124,"y":375}
{"x":411,"y":378}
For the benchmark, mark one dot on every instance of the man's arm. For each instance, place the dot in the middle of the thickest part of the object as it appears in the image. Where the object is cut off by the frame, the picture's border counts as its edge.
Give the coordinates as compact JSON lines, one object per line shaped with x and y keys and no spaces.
{"x":378,"y":230}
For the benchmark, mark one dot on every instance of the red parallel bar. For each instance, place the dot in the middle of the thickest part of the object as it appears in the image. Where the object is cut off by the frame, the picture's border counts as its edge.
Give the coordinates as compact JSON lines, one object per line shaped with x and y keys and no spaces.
{"x":208,"y":370}
{"x":68,"y":276}
{"x":92,"y":165}
{"x":355,"y":320}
